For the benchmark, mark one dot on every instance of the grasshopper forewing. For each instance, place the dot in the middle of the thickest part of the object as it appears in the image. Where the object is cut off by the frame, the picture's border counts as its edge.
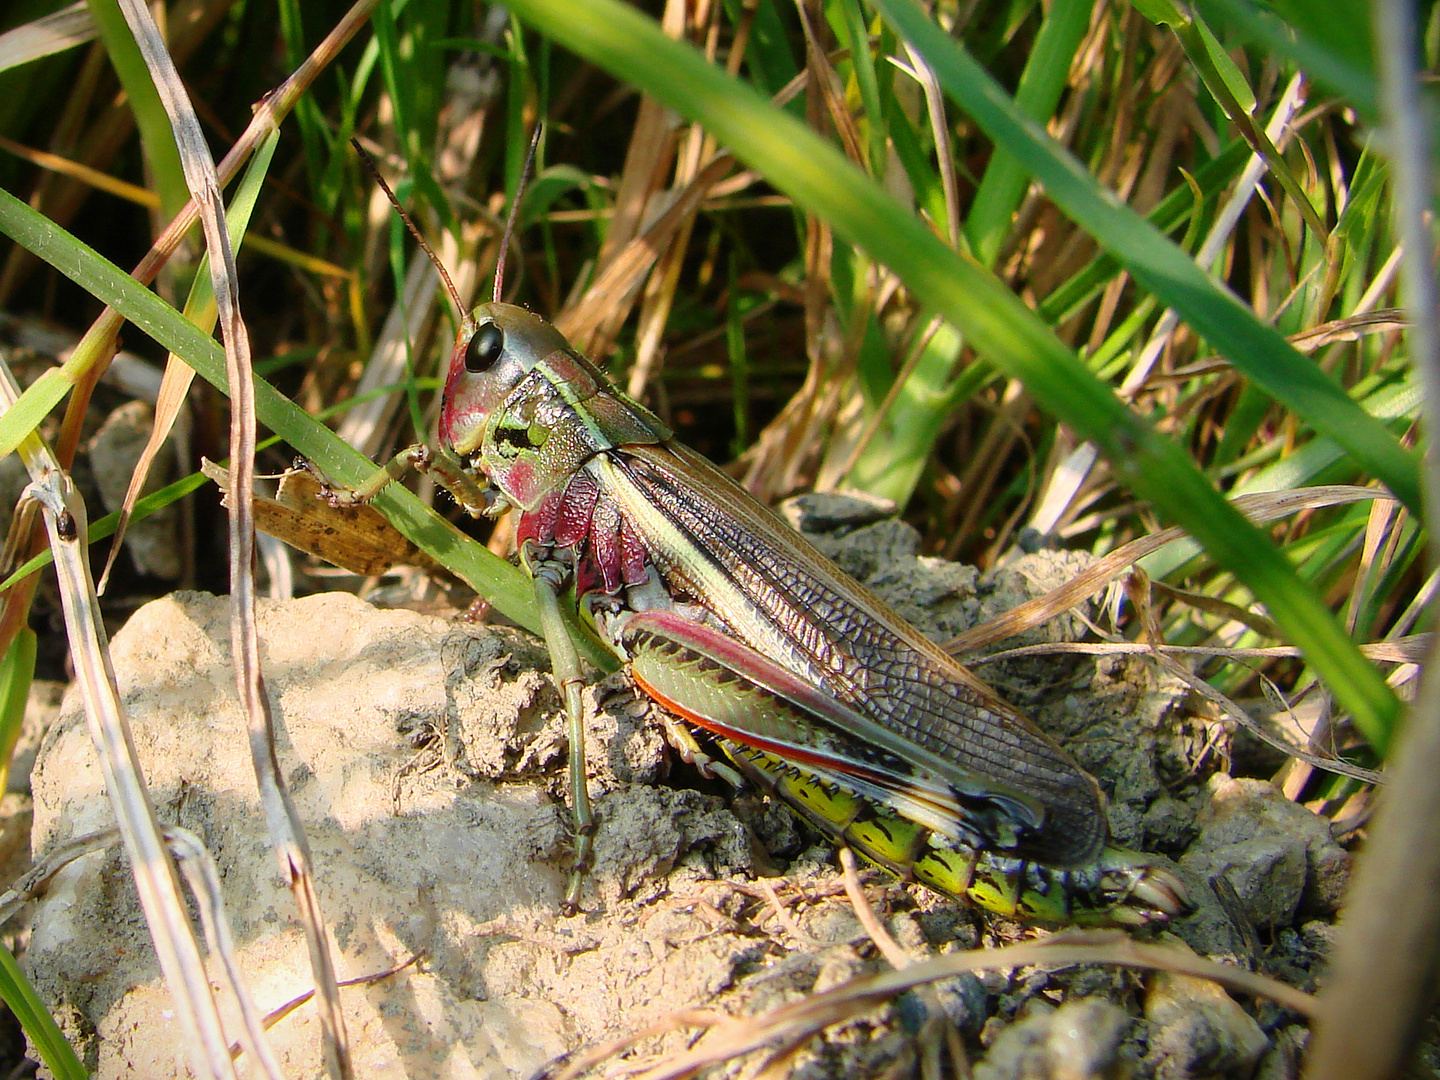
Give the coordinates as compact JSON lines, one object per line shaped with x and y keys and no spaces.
{"x":733,"y":623}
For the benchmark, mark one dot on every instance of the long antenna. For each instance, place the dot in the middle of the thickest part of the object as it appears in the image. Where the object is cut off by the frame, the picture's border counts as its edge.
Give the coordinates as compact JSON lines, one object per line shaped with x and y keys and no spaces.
{"x":410,"y":224}
{"x":515,"y":213}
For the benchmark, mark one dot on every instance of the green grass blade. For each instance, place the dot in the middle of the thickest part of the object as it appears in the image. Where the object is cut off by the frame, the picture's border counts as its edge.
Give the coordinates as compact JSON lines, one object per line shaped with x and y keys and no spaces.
{"x":1314,"y":463}
{"x":409,"y":70}
{"x":1177,"y":207}
{"x":1039,"y":91}
{"x":162,"y":157}
{"x":17,"y":670}
{"x":895,"y":459}
{"x":995,"y":322}
{"x":34,"y":405}
{"x":1253,"y":347}
{"x":507,"y":588}
{"x":105,"y":526}
{"x":50,"y":389}
{"x":768,"y":57}
{"x":1343,"y":69}
{"x":849,"y":24}
{"x":34,"y":1017}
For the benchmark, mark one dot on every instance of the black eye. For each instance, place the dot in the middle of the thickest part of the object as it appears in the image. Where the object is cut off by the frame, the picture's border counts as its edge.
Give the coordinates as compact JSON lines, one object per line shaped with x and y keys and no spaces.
{"x":484,"y":348}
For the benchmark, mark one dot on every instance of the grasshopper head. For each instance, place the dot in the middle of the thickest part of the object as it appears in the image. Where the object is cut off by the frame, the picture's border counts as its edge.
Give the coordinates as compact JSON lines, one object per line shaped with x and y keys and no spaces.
{"x":496,"y":350}
{"x":526,"y":409}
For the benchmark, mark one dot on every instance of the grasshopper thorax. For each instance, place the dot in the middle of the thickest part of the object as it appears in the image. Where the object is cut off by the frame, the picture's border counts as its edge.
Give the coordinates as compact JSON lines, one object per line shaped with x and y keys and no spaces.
{"x":527,"y":410}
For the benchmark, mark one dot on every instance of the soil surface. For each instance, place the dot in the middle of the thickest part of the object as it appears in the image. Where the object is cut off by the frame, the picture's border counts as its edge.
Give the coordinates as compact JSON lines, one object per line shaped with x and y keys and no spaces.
{"x":427,"y":759}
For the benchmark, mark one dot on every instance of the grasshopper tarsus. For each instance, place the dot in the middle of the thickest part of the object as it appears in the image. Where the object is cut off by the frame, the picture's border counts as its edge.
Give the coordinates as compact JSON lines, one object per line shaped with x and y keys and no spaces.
{"x":690,"y":751}
{"x":459,"y":479}
{"x":579,"y":867}
{"x":329,"y":493}
{"x":583,"y":857}
{"x":339,"y":496}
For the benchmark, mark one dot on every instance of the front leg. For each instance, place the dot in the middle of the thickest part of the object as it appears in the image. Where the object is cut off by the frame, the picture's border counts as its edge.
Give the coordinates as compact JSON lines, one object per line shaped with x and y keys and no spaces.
{"x":448,"y":470}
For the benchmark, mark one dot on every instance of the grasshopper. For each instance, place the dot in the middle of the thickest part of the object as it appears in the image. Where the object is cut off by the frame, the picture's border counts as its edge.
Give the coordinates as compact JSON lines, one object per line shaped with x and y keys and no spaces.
{"x":735,"y":626}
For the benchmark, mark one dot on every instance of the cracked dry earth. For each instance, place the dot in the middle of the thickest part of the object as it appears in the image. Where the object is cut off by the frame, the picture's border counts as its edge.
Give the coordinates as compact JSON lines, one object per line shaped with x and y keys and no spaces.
{"x":427,"y":760}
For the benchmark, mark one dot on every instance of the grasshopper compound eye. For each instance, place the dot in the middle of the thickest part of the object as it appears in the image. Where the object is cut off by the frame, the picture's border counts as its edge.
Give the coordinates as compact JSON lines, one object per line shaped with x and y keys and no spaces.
{"x":484,"y":348}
